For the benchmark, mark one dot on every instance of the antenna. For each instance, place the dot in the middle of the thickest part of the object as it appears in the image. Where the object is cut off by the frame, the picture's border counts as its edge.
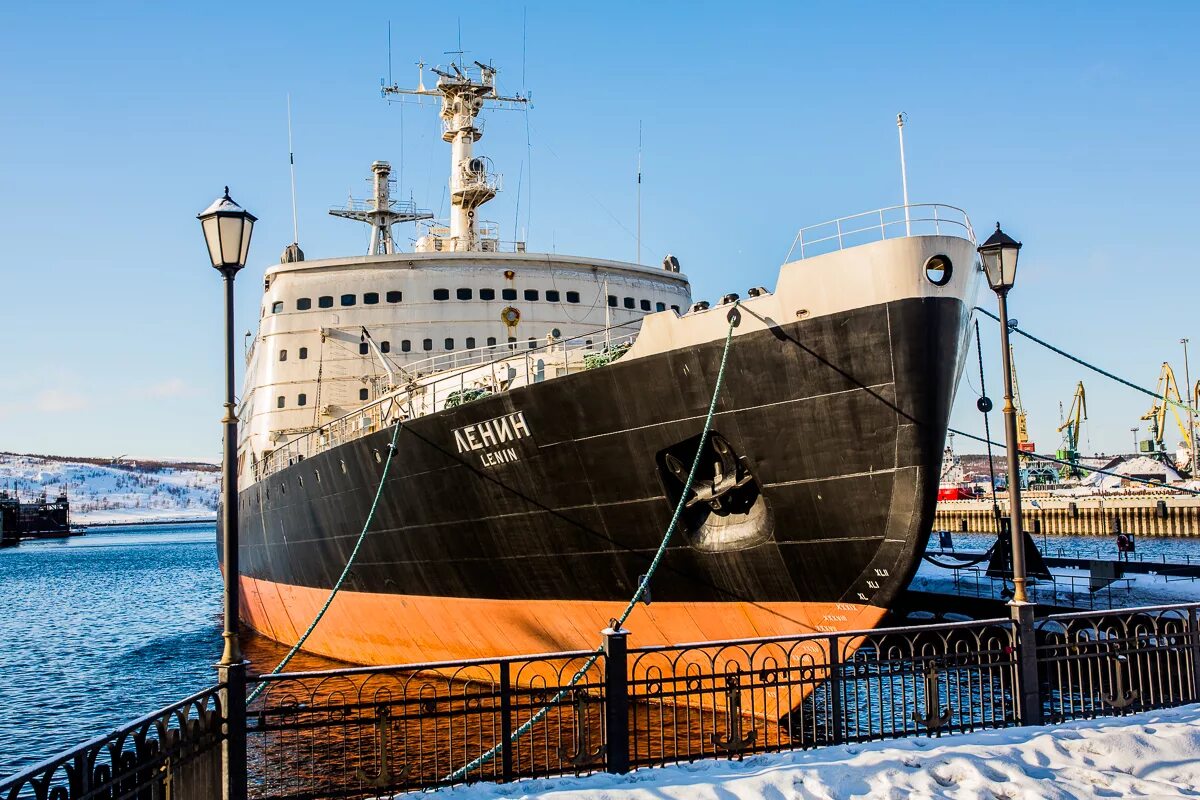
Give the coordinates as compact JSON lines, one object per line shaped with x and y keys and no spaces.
{"x":292,"y":168}
{"x":900,"y":120}
{"x":639,"y":196}
{"x":389,"y":52}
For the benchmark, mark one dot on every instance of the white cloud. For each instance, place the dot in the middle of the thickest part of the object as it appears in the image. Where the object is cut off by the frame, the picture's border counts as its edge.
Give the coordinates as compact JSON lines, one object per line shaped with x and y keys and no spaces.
{"x":172,"y":387}
{"x":59,"y":401}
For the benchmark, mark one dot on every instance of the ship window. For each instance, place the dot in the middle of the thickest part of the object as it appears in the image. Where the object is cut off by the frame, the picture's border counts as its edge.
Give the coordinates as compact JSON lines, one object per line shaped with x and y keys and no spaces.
{"x":512,"y":343}
{"x":427,"y":344}
{"x":470,"y":342}
{"x":325,"y":302}
{"x":612,"y":300}
{"x":660,"y":306}
{"x":645,"y":305}
{"x":532,"y":342}
{"x":363,"y":348}
{"x":347,"y":299}
{"x":301,"y":399}
{"x":394,"y":296}
{"x":441,"y":294}
{"x":304,"y":304}
{"x":508,"y":294}
{"x":449,"y":344}
{"x":629,"y":302}
{"x":487,"y":294}
{"x":283,"y":355}
{"x":385,"y":347}
{"x":572,"y":297}
{"x":675,"y":309}
{"x":531,"y":294}
{"x":406,"y":345}
{"x":463,"y":294}
{"x":303,"y":353}
{"x":277,"y":306}
{"x":938,"y":270}
{"x":552,"y":295}
{"x":362,"y":394}
{"x":491,"y":341}
{"x":370,"y":298}
{"x":279,"y":403}
{"x":588,"y":344}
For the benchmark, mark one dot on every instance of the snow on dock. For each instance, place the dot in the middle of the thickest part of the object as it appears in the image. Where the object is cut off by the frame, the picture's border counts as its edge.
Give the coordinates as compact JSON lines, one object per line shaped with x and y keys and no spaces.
{"x":1156,"y":754}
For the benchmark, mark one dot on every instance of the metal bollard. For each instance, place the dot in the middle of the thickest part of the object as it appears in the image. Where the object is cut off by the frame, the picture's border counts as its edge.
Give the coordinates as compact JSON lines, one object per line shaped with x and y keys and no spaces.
{"x":616,"y":700}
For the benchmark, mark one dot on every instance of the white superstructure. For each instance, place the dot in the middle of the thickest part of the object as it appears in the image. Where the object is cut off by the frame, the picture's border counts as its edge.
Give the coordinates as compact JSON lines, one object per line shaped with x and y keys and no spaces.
{"x":336,"y":335}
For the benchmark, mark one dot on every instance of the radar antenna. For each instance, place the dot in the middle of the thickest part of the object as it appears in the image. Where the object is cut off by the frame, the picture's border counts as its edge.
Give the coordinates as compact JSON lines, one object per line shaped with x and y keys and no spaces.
{"x":464,"y":90}
{"x":381,"y":212}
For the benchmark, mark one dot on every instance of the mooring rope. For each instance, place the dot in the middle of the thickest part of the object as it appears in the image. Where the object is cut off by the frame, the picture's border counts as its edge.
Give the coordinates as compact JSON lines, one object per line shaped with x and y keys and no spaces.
{"x":1090,"y":366}
{"x":619,"y":622}
{"x":345,"y":572}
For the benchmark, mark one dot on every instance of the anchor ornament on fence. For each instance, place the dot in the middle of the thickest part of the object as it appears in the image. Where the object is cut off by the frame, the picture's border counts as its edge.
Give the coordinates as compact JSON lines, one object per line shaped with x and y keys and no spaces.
{"x":584,"y":756}
{"x":385,"y":776}
{"x":931,"y":720}
{"x":1123,"y":696}
{"x":735,"y":741}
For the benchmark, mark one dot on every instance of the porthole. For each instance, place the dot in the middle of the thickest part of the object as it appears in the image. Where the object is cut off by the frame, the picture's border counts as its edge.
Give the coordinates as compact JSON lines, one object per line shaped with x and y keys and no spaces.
{"x":938,"y":270}
{"x":487,"y":294}
{"x":343,"y":463}
{"x":378,"y":457}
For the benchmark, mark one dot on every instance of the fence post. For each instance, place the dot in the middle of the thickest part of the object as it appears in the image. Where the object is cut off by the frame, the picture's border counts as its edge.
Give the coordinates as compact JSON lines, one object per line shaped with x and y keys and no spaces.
{"x":233,"y":748}
{"x":1194,"y":651}
{"x":616,"y":700}
{"x":506,"y":756}
{"x":835,"y":692}
{"x":1029,"y":698}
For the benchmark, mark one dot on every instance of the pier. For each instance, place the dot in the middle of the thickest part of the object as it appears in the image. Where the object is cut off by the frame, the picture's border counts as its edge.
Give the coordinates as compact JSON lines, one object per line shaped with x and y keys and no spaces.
{"x":1173,"y":515}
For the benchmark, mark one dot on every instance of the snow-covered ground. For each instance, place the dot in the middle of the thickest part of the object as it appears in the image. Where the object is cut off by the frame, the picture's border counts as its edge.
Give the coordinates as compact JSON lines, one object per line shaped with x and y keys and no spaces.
{"x":1069,"y":588}
{"x":1156,"y":755}
{"x":124,"y":492}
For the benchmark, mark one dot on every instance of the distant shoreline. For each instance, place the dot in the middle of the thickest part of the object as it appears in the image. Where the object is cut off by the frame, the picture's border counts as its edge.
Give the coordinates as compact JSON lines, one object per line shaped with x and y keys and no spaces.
{"x":132,"y":523}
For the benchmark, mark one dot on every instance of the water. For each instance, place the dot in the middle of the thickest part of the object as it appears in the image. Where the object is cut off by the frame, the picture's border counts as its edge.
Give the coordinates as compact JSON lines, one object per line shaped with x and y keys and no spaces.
{"x":1174,"y":549}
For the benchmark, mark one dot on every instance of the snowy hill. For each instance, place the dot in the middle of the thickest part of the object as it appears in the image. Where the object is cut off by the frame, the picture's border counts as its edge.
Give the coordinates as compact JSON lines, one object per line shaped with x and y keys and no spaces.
{"x":107,"y":491}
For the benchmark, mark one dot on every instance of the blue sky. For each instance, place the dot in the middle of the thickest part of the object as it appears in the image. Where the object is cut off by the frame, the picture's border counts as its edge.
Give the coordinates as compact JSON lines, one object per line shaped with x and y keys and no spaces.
{"x":1074,"y":124}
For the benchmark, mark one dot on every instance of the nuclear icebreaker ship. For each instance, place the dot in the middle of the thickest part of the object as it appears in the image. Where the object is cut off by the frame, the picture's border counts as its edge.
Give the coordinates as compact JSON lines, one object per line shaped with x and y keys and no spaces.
{"x":549,"y":408}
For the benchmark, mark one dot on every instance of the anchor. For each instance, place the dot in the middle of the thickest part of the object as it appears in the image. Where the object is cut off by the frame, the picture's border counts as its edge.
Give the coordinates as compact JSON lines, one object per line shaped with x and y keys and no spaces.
{"x":727,"y":476}
{"x":383,"y":728}
{"x":735,"y":741}
{"x":931,"y":720}
{"x":583,"y":757}
{"x":1124,"y":696}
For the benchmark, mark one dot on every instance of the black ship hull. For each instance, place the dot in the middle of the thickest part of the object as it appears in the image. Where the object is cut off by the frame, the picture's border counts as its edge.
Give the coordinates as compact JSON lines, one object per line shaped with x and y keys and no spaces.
{"x":521,"y":522}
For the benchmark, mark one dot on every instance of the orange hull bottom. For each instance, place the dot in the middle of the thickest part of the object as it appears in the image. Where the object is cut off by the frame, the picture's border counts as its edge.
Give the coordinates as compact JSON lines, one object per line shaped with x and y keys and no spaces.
{"x":388,"y":629}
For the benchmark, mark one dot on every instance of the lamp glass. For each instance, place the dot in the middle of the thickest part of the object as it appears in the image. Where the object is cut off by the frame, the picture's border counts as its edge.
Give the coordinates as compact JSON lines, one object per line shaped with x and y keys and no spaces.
{"x":231,"y":240}
{"x":212,"y":238}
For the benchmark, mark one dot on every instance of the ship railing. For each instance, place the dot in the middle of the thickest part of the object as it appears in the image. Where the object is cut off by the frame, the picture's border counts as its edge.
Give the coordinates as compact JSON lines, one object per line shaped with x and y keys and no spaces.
{"x":447,"y":379}
{"x":893,"y":222}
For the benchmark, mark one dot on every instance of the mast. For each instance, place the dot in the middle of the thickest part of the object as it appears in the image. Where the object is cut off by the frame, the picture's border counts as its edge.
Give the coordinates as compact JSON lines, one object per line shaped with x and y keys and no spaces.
{"x":381,"y":212}
{"x":464,"y":91}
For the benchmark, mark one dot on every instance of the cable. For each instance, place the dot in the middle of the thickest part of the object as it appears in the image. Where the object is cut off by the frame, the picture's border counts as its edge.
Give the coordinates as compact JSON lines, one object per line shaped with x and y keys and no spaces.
{"x":1092,"y":367}
{"x":987,"y":429}
{"x":617,"y":623}
{"x":345,"y":572}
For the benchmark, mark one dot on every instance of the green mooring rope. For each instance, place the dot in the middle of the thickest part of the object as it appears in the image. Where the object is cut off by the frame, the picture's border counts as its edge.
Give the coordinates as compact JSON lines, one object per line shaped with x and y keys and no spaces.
{"x":345,"y":572}
{"x":619,"y":622}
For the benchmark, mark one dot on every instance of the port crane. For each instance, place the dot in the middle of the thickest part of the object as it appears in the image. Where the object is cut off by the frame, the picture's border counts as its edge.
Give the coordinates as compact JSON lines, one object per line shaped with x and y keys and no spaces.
{"x":1069,"y":449}
{"x":1168,"y":396}
{"x":1023,"y":443}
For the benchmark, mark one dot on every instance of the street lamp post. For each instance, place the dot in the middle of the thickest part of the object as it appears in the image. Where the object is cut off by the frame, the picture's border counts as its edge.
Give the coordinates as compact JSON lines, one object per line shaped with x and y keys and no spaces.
{"x":227,"y":228}
{"x":1135,"y":446}
{"x":999,"y":255}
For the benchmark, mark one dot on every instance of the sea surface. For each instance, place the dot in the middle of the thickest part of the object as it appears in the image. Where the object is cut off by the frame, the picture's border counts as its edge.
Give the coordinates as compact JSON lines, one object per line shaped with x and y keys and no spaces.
{"x":99,"y":629}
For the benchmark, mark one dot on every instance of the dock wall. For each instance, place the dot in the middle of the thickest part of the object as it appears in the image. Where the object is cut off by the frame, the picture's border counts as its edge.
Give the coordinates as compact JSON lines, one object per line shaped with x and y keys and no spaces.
{"x":1106,"y":516}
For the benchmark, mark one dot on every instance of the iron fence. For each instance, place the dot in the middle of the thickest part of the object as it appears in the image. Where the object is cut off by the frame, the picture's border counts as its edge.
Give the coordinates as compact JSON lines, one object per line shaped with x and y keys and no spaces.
{"x":174,"y":752}
{"x":375,"y":731}
{"x":369,"y":731}
{"x":1118,"y":662}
